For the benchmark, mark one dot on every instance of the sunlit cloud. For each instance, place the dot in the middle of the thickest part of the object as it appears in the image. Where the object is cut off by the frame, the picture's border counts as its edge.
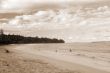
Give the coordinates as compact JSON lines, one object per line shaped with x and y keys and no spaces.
{"x":74,"y":24}
{"x":18,"y":4}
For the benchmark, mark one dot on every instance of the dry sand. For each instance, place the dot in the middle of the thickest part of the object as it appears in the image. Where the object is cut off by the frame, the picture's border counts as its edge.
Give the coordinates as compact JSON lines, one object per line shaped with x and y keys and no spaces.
{"x":18,"y":62}
{"x":56,"y":58}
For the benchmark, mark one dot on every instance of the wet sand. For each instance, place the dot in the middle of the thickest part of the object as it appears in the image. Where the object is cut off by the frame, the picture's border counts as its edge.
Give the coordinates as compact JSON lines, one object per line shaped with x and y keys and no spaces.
{"x":56,"y":58}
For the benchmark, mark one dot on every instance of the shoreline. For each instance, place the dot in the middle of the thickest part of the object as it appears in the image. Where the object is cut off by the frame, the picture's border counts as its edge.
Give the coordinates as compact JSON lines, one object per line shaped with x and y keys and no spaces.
{"x":58,"y":60}
{"x":51,"y":58}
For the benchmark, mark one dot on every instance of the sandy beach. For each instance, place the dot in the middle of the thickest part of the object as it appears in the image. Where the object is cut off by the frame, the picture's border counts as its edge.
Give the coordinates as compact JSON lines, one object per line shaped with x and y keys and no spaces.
{"x":54,"y":36}
{"x":55,"y":58}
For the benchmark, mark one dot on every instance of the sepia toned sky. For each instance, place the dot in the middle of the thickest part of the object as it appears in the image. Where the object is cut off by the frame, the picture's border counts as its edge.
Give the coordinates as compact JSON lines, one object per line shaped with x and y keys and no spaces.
{"x":71,"y":20}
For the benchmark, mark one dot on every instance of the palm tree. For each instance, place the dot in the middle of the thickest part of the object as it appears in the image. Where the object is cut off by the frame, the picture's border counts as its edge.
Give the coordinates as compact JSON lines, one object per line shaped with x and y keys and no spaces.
{"x":1,"y":32}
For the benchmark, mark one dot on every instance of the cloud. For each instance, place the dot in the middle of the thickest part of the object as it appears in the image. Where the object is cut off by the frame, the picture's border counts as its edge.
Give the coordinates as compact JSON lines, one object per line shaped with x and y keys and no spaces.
{"x":16,"y":4}
{"x":84,"y":24}
{"x":25,"y":4}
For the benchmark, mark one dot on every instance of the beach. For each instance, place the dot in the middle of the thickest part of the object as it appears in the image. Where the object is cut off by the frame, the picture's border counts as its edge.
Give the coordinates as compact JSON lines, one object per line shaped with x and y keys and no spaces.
{"x":55,"y":58}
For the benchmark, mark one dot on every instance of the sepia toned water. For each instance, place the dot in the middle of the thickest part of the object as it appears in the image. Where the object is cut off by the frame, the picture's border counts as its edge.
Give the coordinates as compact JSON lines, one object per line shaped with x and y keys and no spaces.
{"x":94,"y":55}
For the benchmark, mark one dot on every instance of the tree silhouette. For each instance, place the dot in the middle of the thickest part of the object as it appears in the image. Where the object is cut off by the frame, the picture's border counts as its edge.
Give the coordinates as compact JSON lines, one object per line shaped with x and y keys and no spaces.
{"x":18,"y":39}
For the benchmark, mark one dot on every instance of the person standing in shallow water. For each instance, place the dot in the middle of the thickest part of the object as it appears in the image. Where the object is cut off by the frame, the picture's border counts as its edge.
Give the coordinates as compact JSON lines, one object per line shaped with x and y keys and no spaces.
{"x":70,"y":50}
{"x":56,"y":50}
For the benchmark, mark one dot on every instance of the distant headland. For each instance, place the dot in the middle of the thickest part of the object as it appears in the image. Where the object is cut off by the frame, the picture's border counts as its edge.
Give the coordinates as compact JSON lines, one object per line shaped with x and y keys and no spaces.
{"x":18,"y":39}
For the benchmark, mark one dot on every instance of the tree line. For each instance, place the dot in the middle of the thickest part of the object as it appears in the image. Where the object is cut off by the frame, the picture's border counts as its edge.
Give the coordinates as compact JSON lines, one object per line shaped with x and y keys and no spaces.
{"x":18,"y":39}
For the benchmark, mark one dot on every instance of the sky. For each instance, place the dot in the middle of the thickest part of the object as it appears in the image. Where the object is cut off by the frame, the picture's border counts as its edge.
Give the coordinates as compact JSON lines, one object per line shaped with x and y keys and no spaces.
{"x":71,"y":20}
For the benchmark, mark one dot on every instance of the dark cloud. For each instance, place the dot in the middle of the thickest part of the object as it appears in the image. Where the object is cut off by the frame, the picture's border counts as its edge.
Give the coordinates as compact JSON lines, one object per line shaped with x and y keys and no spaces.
{"x":8,"y":15}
